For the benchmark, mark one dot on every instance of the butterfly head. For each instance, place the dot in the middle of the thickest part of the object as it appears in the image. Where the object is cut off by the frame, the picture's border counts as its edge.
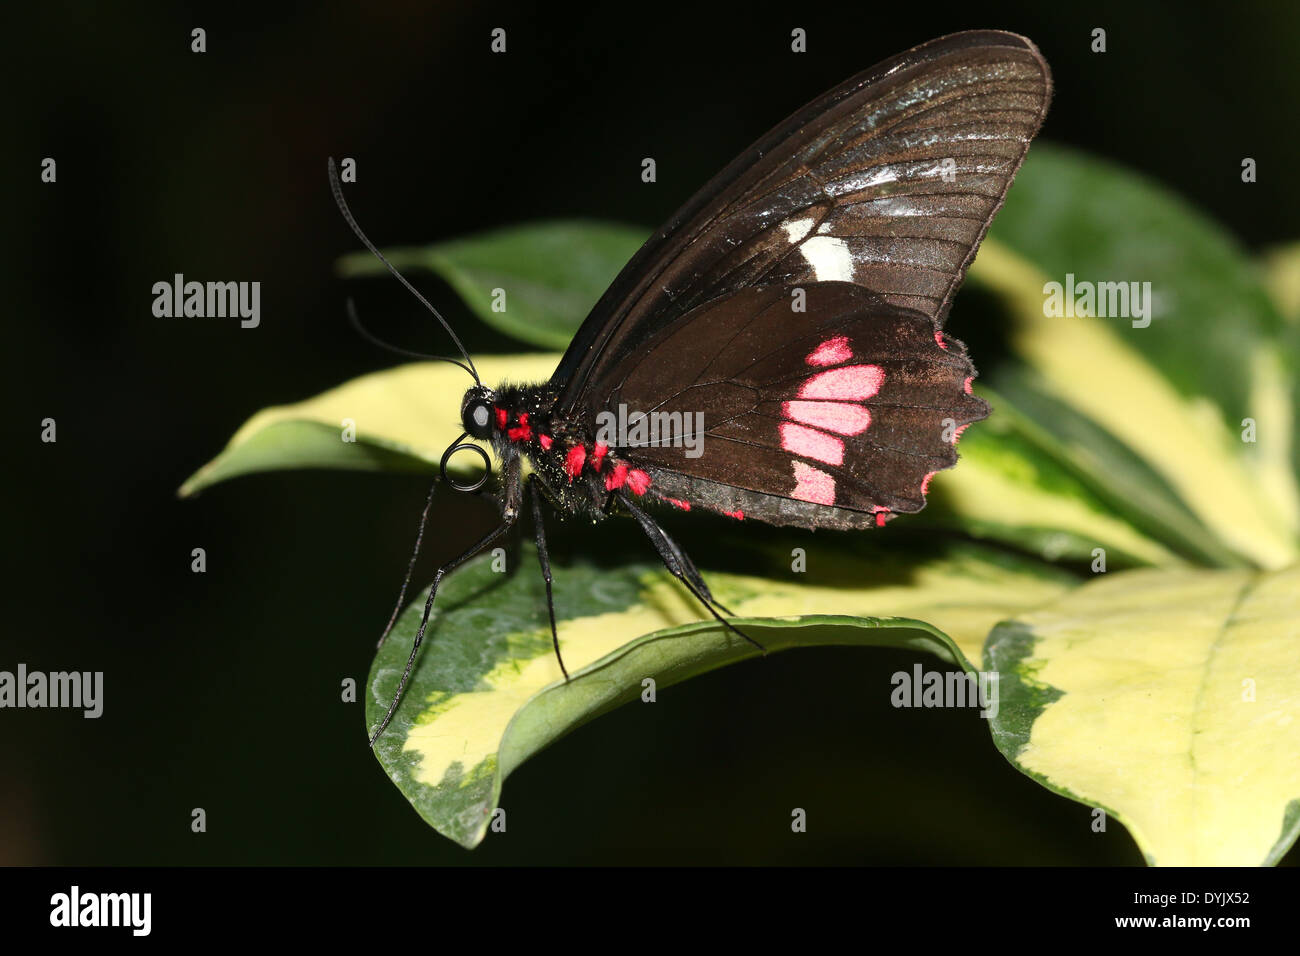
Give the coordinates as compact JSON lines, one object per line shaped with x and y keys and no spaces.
{"x":476,"y":411}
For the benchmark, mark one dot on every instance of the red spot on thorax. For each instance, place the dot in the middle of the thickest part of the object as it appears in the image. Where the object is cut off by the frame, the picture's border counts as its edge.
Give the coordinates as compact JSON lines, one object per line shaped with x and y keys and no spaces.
{"x":638,"y":481}
{"x":598,"y":455}
{"x":573,"y":461}
{"x":616,"y":478}
{"x":502,"y":417}
{"x":523,"y":431}
{"x":546,"y":442}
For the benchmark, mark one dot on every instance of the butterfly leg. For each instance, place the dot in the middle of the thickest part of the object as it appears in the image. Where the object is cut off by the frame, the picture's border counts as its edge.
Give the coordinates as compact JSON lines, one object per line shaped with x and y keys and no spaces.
{"x":687,"y":565}
{"x":681,"y":560}
{"x":410,"y":568}
{"x":544,"y":559}
{"x":676,"y":562}
{"x":692,"y":573}
{"x":511,"y":495}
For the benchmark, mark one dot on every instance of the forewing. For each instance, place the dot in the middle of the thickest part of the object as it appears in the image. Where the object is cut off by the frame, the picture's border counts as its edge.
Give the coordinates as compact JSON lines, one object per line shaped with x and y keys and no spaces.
{"x":888,"y":182}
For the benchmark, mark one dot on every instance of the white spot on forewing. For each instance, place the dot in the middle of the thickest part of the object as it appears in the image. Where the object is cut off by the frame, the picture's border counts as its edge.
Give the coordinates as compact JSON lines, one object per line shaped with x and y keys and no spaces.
{"x":796,"y":229}
{"x":829,"y":258}
{"x":856,"y":184}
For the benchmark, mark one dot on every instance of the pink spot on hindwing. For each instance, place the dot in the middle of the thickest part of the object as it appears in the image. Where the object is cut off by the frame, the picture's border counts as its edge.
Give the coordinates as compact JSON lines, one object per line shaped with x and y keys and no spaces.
{"x":811,"y":443}
{"x":737,"y":514}
{"x":834,"y":351}
{"x":850,"y":383}
{"x":546,"y":442}
{"x":925,"y":483}
{"x":813,"y":484}
{"x":678,"y":502}
{"x":938,"y":339}
{"x":966,"y":385}
{"x":838,"y":417}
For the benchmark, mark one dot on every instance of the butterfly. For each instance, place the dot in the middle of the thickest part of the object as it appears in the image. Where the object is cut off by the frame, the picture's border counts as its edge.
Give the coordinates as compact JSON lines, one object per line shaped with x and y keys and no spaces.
{"x":776,"y":351}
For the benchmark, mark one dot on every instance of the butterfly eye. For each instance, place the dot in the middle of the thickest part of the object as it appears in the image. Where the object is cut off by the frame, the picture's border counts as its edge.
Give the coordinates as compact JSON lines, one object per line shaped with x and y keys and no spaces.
{"x":477,"y":419}
{"x":465,"y":446}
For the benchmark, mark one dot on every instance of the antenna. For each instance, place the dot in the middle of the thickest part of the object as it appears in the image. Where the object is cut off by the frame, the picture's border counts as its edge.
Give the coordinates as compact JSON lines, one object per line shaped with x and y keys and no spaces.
{"x":337,"y":188}
{"x":365,"y":333}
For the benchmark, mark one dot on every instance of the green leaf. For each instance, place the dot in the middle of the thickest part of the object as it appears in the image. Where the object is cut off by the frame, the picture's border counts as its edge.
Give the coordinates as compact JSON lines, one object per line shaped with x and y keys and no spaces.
{"x":1012,"y":486}
{"x":1121,"y":482}
{"x":552,"y":273}
{"x":404,"y":419}
{"x":1176,"y":393}
{"x":1169,"y":698}
{"x":487,"y":692}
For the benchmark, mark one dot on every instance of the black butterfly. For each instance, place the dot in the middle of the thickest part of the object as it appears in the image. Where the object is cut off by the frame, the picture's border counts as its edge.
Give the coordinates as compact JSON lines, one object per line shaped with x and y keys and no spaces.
{"x":776,"y":350}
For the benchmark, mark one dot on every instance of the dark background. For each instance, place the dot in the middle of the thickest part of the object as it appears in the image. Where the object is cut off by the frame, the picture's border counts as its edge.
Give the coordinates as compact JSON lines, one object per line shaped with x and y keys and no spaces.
{"x":222,"y":689}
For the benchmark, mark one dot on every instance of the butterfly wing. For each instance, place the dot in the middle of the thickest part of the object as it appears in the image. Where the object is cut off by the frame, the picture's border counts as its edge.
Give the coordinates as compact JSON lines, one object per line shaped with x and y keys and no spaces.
{"x":834,"y":422}
{"x":885,"y":185}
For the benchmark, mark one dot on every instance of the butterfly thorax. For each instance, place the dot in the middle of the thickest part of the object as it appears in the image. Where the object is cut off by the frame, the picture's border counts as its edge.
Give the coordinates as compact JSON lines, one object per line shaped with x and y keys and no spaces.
{"x":580,"y":474}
